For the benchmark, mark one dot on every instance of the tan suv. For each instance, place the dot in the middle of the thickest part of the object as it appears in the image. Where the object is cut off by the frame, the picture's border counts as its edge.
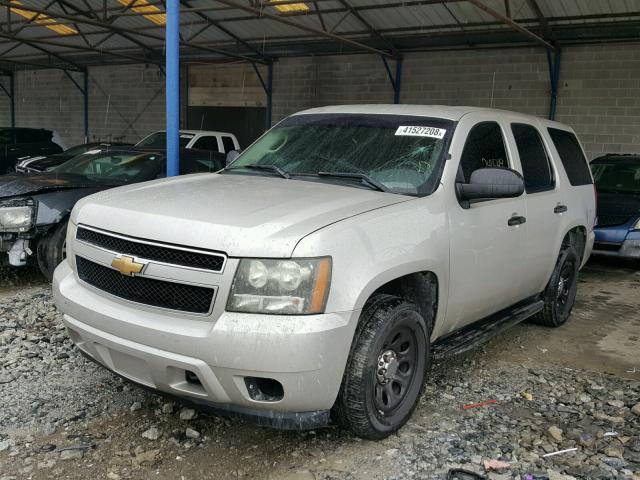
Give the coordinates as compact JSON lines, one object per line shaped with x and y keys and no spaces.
{"x":313,"y":277}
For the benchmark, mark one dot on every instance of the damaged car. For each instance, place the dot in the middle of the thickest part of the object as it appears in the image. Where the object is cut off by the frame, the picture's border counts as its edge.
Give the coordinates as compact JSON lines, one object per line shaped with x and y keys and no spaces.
{"x":35,"y":207}
{"x":43,"y":163}
{"x":314,"y":278}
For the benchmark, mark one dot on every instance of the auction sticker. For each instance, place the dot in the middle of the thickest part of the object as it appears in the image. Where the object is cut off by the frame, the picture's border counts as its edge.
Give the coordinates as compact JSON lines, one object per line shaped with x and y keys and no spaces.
{"x":412,"y":131}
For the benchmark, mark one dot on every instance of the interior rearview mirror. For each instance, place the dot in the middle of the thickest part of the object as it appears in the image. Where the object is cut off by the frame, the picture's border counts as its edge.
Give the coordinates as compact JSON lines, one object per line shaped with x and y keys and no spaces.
{"x":491,"y":183}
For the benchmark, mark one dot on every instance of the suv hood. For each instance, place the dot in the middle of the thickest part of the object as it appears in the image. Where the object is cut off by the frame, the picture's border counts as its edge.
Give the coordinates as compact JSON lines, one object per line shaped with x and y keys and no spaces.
{"x":241,"y":215}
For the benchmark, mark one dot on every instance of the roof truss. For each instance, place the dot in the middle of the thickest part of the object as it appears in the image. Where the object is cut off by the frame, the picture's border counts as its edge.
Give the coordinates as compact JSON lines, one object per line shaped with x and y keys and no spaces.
{"x":341,"y":26}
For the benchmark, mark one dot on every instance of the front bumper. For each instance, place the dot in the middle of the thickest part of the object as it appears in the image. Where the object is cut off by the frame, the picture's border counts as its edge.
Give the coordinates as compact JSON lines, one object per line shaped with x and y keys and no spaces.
{"x":160,"y":350}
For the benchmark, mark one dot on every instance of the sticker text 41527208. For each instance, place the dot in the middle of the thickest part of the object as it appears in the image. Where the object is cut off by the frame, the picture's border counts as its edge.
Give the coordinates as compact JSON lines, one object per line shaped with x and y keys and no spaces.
{"x":415,"y":131}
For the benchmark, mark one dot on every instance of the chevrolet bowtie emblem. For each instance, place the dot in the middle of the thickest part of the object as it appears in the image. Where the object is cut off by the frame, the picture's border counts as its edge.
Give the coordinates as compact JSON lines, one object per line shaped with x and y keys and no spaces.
{"x":126,"y":266}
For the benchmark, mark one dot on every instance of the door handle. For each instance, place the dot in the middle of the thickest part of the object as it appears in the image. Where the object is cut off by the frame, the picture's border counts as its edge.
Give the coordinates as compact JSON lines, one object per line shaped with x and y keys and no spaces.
{"x":516,"y":220}
{"x":560,"y":209}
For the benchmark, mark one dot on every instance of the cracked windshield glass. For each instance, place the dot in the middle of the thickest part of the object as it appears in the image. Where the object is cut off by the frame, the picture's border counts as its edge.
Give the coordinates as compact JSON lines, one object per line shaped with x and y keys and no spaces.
{"x":398,"y":154}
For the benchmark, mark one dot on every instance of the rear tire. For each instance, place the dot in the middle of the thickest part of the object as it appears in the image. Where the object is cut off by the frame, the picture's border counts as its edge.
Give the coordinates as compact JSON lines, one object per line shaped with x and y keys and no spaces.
{"x":385,"y":372}
{"x":560,"y":294}
{"x":52,"y":250}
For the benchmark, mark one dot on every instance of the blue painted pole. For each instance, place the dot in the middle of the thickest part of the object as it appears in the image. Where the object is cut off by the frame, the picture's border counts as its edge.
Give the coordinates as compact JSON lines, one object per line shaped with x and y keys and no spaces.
{"x":173,"y":87}
{"x":553,"y":59}
{"x":398,"y":81}
{"x":86,"y":105}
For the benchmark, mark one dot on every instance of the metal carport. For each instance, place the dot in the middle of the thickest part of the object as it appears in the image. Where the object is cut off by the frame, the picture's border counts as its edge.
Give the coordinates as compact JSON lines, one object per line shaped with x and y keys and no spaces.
{"x":74,"y":34}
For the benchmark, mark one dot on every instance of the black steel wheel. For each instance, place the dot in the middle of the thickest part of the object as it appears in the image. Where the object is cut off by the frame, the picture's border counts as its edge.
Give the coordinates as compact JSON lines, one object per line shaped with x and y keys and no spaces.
{"x":385,"y":372}
{"x":560,"y":294}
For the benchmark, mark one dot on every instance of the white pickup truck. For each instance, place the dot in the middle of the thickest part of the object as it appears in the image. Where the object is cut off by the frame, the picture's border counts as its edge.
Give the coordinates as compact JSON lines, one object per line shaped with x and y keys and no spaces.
{"x":314,"y":277}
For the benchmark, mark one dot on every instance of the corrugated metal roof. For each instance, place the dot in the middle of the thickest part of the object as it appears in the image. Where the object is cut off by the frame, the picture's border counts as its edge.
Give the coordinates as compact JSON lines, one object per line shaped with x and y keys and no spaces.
{"x":222,"y":27}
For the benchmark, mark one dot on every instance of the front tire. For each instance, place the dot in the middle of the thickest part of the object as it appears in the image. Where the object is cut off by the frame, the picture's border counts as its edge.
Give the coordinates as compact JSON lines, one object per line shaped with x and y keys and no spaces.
{"x":385,"y":372}
{"x":51,"y":250}
{"x":560,"y":294}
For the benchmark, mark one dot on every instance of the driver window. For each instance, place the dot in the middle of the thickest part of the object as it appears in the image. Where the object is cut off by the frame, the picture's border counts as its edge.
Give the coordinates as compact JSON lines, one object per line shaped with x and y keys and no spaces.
{"x":484,"y":148}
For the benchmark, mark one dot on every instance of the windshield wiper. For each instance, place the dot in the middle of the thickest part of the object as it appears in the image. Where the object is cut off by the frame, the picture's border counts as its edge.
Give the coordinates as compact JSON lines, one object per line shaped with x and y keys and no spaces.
{"x":271,"y":168}
{"x":364,"y":178}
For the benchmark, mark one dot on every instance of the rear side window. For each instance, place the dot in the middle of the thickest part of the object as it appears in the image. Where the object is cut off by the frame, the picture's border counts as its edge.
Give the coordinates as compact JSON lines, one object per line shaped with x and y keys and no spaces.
{"x":228,"y":144}
{"x":207,"y":143}
{"x":575,"y":164}
{"x":484,"y":148}
{"x":536,"y":169}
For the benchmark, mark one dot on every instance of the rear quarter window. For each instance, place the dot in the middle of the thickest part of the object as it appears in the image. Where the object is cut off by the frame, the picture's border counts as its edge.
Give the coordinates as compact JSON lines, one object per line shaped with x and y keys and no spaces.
{"x":536,"y":169}
{"x":573,"y":160}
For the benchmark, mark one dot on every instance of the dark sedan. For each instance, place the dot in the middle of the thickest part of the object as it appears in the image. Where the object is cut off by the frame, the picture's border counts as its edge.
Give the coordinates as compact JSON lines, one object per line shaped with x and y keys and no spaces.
{"x":35,"y":207}
{"x":43,"y":163}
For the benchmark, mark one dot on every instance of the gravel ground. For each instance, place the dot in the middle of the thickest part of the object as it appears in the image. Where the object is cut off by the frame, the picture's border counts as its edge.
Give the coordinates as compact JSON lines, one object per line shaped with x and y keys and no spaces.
{"x":64,"y":417}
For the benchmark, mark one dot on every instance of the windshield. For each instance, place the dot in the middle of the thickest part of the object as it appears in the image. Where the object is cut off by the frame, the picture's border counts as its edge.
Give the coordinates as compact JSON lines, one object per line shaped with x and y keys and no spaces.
{"x":617,"y":177}
{"x":402,"y":153}
{"x":119,"y":167}
{"x":159,"y":140}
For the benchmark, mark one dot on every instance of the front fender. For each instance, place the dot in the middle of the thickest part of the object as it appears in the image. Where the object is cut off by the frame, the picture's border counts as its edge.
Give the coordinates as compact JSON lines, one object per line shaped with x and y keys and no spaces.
{"x":374,"y":248}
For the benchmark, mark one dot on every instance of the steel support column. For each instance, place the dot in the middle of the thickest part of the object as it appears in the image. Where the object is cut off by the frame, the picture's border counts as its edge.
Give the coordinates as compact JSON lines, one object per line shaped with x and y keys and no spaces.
{"x":11,"y":94}
{"x":268,"y":90}
{"x":173,"y":87}
{"x":86,"y":105}
{"x":553,"y":59}
{"x":396,"y":81}
{"x":84,"y":90}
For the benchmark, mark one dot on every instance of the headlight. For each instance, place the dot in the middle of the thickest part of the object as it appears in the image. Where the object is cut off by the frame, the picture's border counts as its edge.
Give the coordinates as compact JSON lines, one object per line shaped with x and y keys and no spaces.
{"x":285,"y":287}
{"x":16,"y":218}
{"x":636,"y":226}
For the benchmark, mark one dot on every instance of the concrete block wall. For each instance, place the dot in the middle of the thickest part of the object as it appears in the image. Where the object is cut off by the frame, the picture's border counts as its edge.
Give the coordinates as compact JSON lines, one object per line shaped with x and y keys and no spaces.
{"x":600,"y":96}
{"x":125,"y":102}
{"x":599,"y":92}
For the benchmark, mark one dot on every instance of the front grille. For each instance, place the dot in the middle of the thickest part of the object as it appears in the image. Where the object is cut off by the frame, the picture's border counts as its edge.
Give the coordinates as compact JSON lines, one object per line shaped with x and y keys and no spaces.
{"x":608,"y":247}
{"x":158,"y":293}
{"x":612,"y":220}
{"x":160,"y":253}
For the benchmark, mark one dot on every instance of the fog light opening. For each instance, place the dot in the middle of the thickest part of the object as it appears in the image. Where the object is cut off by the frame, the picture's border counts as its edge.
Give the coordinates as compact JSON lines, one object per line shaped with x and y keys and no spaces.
{"x":264,"y":389}
{"x":192,"y":378}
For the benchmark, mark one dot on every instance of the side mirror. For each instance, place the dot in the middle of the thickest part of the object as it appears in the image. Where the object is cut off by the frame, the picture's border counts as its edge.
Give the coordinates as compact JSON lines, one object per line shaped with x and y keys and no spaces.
{"x":231,"y":156}
{"x":490,"y":183}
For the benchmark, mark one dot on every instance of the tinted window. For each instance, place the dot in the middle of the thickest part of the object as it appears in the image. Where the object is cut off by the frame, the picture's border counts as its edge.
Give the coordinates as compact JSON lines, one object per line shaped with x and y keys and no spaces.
{"x":538,"y":175}
{"x":115,"y":166}
{"x":572,"y":157}
{"x":617,"y":177}
{"x":207,"y":143}
{"x":484,"y":148}
{"x":228,"y":144}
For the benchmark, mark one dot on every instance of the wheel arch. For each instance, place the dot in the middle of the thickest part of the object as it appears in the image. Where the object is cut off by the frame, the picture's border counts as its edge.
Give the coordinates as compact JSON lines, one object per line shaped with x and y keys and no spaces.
{"x":576,"y":237}
{"x":421,"y":287}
